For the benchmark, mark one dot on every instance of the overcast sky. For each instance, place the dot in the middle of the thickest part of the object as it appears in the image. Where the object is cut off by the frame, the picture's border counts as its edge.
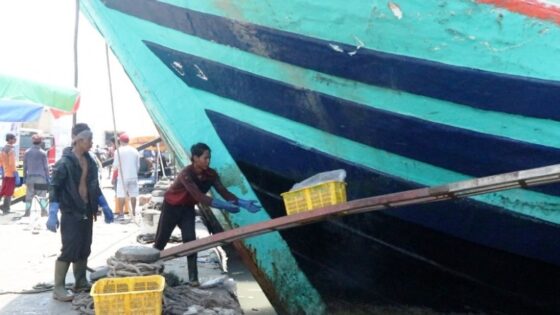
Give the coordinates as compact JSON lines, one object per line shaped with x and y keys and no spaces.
{"x":36,"y":42}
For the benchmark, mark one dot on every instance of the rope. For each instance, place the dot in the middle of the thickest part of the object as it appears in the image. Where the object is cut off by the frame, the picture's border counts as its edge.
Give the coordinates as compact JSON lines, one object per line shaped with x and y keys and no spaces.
{"x":149,"y":238}
{"x":119,"y":268}
{"x":38,"y":288}
{"x":185,"y":299}
{"x":83,"y":302}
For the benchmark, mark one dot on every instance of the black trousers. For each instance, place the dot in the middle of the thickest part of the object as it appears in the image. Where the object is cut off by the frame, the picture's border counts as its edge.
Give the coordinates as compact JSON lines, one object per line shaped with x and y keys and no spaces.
{"x":76,"y":233}
{"x":182,"y":216}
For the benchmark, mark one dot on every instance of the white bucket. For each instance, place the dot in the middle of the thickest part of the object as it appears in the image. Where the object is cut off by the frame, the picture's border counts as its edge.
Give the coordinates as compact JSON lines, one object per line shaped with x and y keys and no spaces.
{"x":150,"y":219}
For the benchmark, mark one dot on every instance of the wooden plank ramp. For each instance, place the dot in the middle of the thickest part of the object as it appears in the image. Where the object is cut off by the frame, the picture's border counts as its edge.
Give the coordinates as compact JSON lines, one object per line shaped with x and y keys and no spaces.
{"x":455,"y":190}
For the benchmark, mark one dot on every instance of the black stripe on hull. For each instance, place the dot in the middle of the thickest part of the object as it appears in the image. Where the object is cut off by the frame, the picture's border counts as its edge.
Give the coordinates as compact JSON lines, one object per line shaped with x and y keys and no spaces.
{"x":353,"y":263}
{"x":466,"y":218}
{"x":472,"y":153}
{"x":476,"y":88}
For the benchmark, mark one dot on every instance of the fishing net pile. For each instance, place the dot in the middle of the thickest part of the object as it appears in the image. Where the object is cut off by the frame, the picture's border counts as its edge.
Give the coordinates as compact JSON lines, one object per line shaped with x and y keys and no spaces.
{"x":214,"y":297}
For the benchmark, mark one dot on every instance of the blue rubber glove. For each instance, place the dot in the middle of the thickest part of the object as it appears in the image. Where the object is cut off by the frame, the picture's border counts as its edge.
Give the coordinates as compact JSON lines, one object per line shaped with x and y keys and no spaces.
{"x":229,"y":207}
{"x":107,"y":212}
{"x":17,"y":180}
{"x":1,"y":171}
{"x":249,"y":205}
{"x":52,"y":221}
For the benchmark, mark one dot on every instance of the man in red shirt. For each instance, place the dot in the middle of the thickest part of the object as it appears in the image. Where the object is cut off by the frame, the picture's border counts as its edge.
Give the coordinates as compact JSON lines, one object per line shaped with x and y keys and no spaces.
{"x":188,"y":189}
{"x":8,"y":161}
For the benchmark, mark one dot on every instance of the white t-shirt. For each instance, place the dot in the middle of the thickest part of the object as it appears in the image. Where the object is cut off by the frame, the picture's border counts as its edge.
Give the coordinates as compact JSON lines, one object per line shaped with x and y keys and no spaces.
{"x":130,"y":160}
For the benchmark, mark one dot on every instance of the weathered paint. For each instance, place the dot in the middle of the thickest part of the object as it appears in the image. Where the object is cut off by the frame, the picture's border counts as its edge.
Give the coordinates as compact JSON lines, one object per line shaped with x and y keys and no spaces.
{"x":416,"y":139}
{"x":534,"y":8}
{"x":527,"y":129}
{"x":183,"y":122}
{"x":535,"y":134}
{"x":458,"y":33}
{"x":480,"y":89}
{"x":492,"y":228}
{"x":535,"y":204}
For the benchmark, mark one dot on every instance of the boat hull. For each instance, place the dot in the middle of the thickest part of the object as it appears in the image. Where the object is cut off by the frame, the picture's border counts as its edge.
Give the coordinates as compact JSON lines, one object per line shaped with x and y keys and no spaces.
{"x":400,"y":96}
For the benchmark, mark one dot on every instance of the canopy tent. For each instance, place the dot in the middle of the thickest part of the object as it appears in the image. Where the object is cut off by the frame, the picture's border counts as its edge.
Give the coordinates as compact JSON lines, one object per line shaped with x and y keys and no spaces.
{"x":23,"y":100}
{"x":18,"y":111}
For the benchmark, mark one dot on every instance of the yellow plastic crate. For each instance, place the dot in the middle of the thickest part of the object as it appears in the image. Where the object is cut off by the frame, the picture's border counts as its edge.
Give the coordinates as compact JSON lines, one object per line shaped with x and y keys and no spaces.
{"x":313,"y":197}
{"x":20,"y":191}
{"x":130,"y":295}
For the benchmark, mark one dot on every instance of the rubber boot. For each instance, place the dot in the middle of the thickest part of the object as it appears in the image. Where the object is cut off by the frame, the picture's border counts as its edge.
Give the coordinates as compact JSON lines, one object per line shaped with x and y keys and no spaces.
{"x":81,"y":283}
{"x":43,"y":203}
{"x":6,"y":204}
{"x":59,"y":292}
{"x":27,"y":209}
{"x":193,"y":270}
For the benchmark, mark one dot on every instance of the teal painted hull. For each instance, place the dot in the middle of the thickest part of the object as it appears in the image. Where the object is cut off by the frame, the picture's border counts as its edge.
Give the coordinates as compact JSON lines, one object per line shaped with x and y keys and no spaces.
{"x":401,"y":94}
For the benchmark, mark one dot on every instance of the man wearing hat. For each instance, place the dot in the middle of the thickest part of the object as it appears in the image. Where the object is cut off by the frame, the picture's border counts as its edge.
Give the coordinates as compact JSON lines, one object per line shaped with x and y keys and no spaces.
{"x":127,"y":164}
{"x":36,"y":173}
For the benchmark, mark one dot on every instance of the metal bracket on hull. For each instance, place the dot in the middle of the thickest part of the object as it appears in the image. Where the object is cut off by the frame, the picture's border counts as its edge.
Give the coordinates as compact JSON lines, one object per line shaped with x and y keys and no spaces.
{"x":462,"y":189}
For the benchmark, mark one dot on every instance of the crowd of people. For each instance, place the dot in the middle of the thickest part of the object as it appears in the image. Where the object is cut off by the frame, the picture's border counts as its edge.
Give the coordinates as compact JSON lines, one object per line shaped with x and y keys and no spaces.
{"x":74,"y":192}
{"x":147,"y":158}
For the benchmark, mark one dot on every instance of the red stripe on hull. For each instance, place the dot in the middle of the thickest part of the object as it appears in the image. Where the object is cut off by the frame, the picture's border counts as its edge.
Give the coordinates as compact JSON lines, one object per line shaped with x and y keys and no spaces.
{"x":532,"y":8}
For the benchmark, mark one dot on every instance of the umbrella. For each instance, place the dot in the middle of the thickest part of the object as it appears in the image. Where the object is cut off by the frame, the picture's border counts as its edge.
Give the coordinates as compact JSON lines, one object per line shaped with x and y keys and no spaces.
{"x":24,"y":99}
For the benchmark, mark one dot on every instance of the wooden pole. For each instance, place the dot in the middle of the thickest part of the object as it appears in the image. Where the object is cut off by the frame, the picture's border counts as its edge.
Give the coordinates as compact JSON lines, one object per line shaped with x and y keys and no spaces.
{"x":76,"y":24}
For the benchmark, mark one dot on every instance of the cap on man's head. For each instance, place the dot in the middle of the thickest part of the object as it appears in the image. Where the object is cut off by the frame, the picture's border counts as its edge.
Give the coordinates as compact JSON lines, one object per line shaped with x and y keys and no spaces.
{"x":124,"y":138}
{"x":36,"y":138}
{"x":79,"y":128}
{"x":81,"y":131}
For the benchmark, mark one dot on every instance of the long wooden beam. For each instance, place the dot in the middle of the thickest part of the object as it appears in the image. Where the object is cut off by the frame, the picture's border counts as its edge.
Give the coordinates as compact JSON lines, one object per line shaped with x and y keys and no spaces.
{"x":461,"y":189}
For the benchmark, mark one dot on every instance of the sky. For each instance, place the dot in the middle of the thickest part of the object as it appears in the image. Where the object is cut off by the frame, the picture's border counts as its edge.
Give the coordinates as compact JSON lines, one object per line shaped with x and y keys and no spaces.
{"x":36,"y":42}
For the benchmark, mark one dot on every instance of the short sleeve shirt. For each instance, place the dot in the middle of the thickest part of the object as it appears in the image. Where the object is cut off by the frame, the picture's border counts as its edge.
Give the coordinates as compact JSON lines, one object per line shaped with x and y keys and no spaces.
{"x":130,"y":160}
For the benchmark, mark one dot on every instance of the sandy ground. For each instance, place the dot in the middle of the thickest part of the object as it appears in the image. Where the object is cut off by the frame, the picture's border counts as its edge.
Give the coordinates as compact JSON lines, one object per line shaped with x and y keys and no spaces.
{"x":28,"y":259}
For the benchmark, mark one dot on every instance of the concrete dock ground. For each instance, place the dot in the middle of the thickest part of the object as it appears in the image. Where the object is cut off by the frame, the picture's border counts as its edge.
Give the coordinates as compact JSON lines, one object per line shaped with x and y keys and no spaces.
{"x":28,"y":259}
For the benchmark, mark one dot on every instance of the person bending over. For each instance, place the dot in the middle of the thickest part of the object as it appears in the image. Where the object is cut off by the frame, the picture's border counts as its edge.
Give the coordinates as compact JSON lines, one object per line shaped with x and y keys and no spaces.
{"x":188,"y":189}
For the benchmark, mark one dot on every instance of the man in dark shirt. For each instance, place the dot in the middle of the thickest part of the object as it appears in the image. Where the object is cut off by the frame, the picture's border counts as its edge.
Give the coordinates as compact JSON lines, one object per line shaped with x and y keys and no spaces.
{"x":188,"y":189}
{"x":75,"y":191}
{"x":36,"y":173}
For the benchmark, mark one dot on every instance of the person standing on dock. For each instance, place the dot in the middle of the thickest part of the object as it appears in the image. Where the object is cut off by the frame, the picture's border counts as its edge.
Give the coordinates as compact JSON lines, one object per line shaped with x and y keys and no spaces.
{"x":35,"y":172}
{"x":188,"y":189}
{"x":127,"y":163}
{"x":8,"y":160}
{"x":74,"y":189}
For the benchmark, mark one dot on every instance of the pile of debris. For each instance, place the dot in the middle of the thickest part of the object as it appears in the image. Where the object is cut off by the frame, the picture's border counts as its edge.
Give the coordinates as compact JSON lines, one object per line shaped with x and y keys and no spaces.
{"x":213,"y":297}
